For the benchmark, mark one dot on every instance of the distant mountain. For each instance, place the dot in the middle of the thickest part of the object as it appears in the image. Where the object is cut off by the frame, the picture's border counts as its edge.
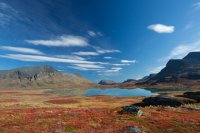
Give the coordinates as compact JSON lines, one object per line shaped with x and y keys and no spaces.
{"x":107,"y":82}
{"x":39,"y":76}
{"x":184,"y":71}
{"x":129,"y":81}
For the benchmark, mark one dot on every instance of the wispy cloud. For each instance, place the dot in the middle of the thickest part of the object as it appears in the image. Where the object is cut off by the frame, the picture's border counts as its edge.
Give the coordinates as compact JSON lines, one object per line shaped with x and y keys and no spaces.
{"x":128,"y":61}
{"x":182,"y":50}
{"x":75,"y":61}
{"x":98,"y":51}
{"x":114,"y":69}
{"x":160,"y":28}
{"x":122,"y":64}
{"x":104,"y":51}
{"x":92,"y":33}
{"x":6,"y":13}
{"x":37,"y":58}
{"x":89,"y":66}
{"x":86,"y":53}
{"x":197,"y":5}
{"x":70,"y":57}
{"x":108,"y":57}
{"x":21,"y":49}
{"x":65,"y":41}
{"x":9,"y":14}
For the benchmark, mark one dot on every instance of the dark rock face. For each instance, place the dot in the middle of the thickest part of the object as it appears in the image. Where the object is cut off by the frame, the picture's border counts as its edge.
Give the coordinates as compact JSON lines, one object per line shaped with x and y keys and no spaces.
{"x":164,"y":101}
{"x":177,"y":71}
{"x":107,"y":82}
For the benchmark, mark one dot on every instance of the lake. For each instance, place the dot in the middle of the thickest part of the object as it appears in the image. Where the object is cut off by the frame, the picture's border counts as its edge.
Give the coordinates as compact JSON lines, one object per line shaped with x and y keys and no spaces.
{"x":120,"y":92}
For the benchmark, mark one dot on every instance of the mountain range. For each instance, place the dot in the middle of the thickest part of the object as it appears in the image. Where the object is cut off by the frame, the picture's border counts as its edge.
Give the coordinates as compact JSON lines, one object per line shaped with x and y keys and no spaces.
{"x":177,"y":73}
{"x":40,"y":76}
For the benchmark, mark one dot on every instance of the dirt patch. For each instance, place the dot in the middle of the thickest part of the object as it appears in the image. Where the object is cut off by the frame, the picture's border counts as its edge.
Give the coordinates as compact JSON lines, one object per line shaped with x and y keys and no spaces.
{"x":62,"y":101}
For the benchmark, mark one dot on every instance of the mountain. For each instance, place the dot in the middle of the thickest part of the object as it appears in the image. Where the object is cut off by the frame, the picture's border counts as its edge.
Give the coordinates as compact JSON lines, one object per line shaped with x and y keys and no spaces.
{"x":107,"y":82}
{"x":184,"y":71}
{"x":129,"y":81}
{"x":40,"y":76}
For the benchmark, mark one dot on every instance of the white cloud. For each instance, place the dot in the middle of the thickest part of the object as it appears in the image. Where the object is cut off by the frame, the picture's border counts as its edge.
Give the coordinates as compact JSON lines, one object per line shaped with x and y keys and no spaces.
{"x":21,"y":49}
{"x":128,"y":61}
{"x":70,"y":57}
{"x":37,"y":58}
{"x":182,"y":50}
{"x":108,"y":57}
{"x":86,"y":53}
{"x":76,"y":62}
{"x":160,"y":28}
{"x":89,"y":66}
{"x":125,"y":64}
{"x":65,"y":41}
{"x":103,"y":51}
{"x":114,"y":69}
{"x":83,"y":69}
{"x":92,"y":33}
{"x":98,"y":52}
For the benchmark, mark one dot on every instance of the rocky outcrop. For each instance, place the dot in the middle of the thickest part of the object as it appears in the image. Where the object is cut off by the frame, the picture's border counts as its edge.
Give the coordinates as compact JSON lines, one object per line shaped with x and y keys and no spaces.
{"x":131,"y":110}
{"x":164,"y":101}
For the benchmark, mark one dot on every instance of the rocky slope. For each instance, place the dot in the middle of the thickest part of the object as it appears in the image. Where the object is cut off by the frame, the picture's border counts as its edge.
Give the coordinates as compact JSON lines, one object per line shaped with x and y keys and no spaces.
{"x":40,"y":76}
{"x":184,"y":71}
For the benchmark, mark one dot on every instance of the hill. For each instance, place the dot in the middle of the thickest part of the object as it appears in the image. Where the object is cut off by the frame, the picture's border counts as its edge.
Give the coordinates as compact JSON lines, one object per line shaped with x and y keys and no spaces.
{"x":40,"y":76}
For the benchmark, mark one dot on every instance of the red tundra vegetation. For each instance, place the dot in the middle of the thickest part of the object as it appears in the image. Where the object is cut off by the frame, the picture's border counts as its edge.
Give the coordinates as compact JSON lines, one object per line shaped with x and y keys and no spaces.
{"x":98,"y":114}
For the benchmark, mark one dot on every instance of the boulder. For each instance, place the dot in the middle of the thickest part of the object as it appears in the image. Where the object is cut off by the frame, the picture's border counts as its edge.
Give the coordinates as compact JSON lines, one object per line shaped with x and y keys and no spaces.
{"x":132,"y":110}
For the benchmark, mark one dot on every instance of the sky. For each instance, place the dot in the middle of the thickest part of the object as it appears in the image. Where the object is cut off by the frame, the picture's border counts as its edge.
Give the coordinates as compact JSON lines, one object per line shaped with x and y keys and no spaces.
{"x":99,"y":39}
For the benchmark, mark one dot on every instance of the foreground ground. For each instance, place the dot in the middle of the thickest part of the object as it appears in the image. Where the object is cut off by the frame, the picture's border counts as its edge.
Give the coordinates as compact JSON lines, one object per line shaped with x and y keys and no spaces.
{"x":34,"y":111}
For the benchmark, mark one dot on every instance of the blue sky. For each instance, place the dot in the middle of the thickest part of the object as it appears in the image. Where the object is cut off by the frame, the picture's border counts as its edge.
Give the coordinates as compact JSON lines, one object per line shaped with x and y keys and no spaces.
{"x":101,"y":39}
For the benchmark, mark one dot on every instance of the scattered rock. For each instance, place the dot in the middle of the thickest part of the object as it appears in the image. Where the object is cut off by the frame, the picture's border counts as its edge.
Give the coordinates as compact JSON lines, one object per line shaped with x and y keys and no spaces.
{"x":132,"y":110}
{"x":135,"y":129}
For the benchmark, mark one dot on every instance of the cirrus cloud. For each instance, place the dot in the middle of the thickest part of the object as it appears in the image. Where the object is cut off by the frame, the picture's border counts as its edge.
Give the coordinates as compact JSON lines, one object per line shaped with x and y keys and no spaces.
{"x":21,"y":49}
{"x":65,"y":41}
{"x":86,"y":53}
{"x":128,"y":61}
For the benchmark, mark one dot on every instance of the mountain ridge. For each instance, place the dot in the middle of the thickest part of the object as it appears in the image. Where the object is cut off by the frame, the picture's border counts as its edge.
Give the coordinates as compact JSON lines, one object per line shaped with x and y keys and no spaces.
{"x":40,"y":76}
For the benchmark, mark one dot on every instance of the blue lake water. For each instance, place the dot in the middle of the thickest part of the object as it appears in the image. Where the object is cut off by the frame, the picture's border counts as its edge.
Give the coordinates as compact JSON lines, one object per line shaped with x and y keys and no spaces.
{"x":120,"y":92}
